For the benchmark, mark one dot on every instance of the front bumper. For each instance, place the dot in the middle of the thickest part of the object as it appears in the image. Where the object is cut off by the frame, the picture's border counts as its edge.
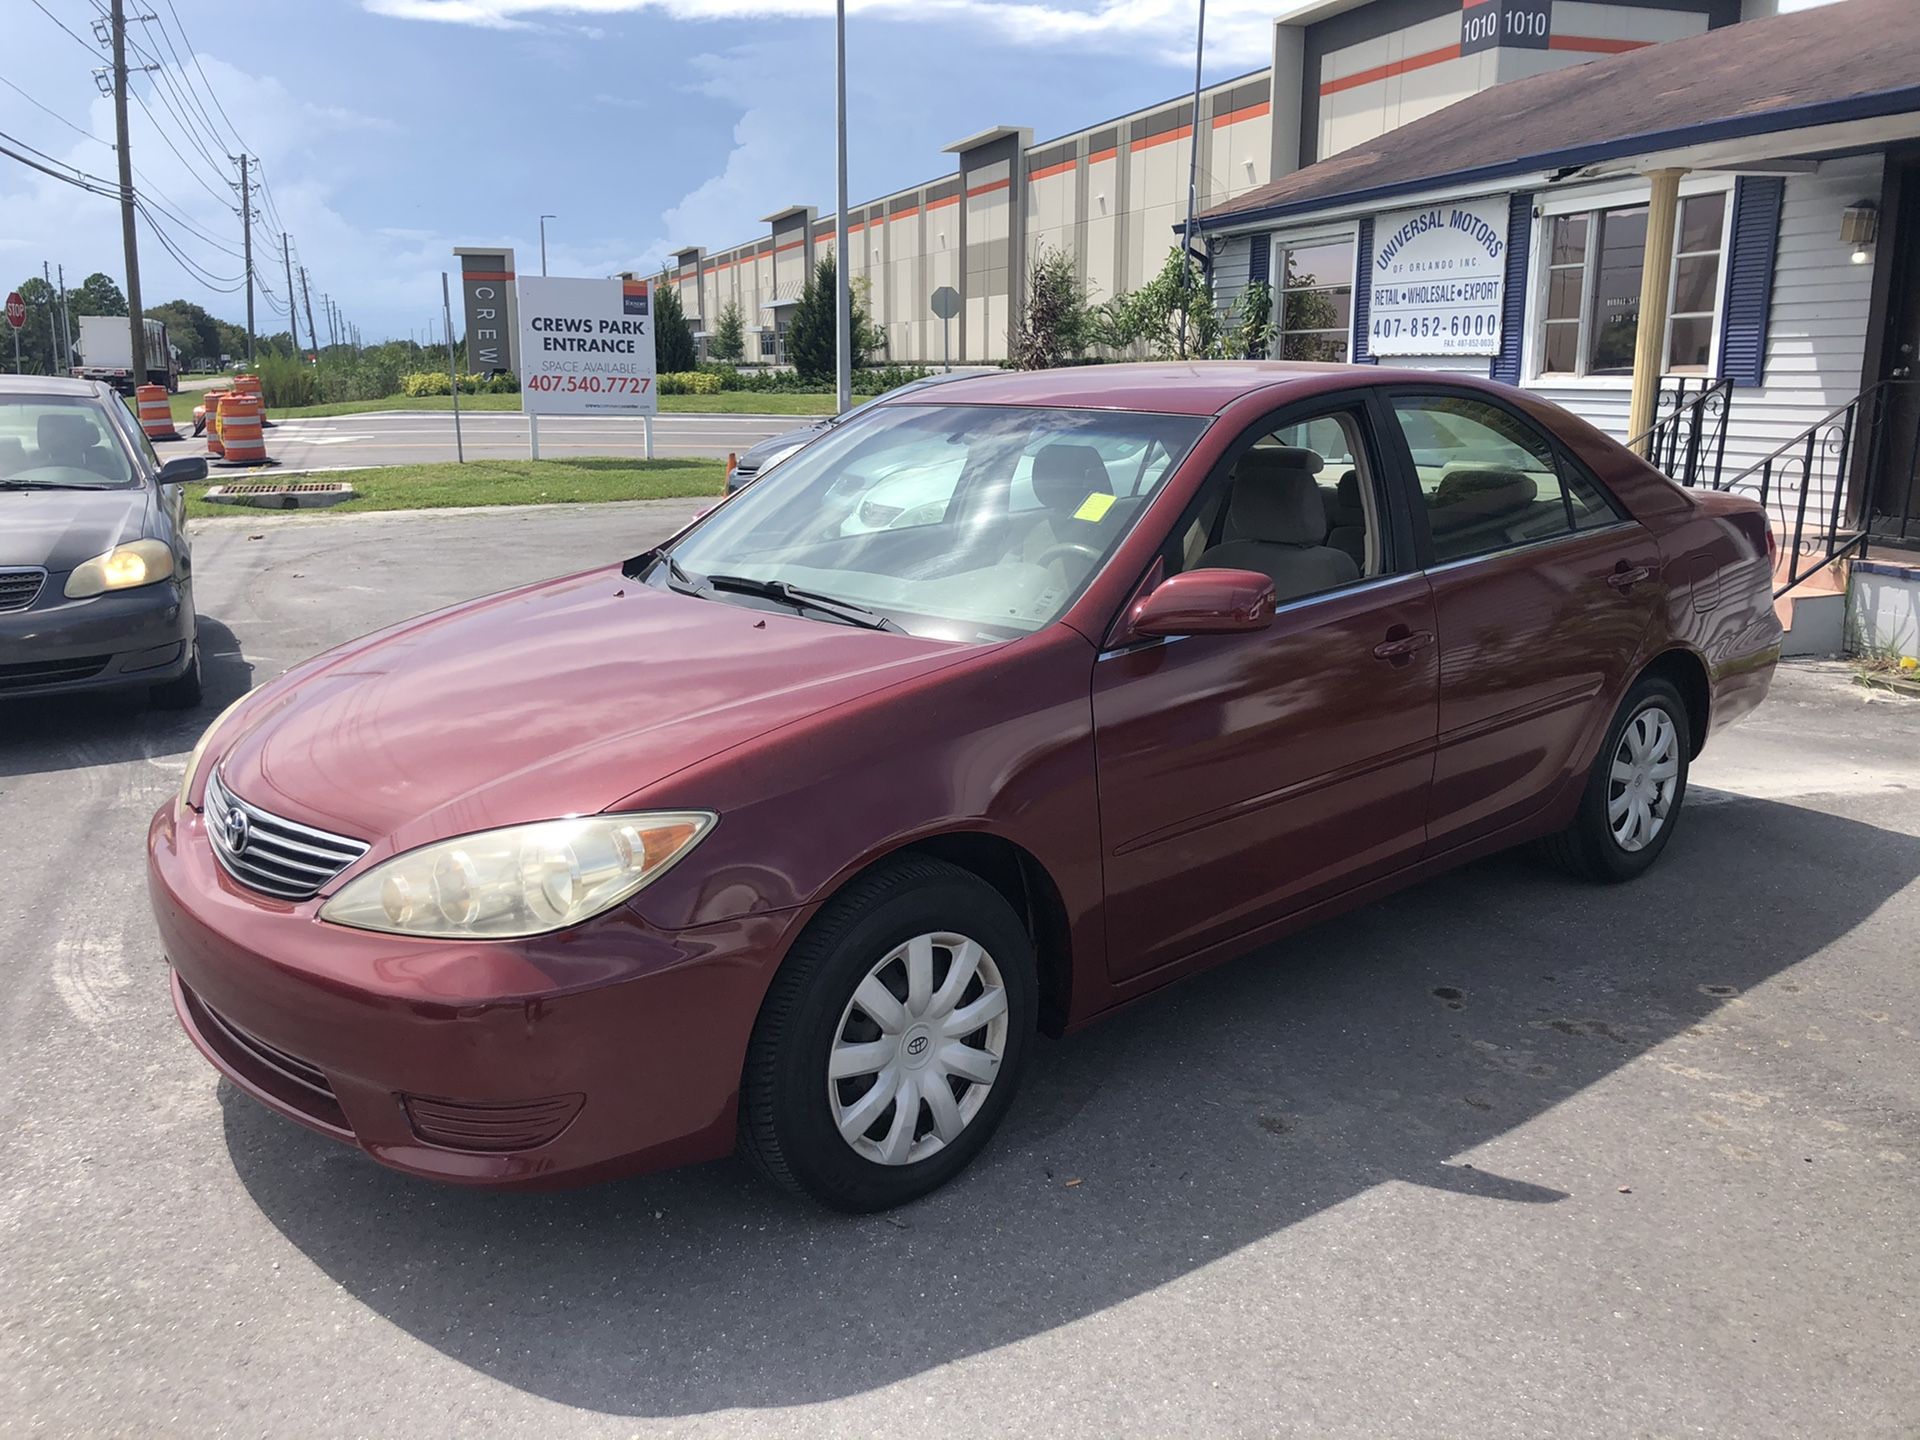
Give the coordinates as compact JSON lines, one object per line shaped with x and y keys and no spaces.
{"x":133,"y":637}
{"x":603,"y":1050}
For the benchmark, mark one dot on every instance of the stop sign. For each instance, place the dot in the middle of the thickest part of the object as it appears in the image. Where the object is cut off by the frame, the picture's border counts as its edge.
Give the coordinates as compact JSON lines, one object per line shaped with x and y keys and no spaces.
{"x":16,"y":310}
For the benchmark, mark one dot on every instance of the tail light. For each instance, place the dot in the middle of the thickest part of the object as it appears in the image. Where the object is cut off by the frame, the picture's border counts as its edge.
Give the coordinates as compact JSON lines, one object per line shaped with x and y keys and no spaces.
{"x":1773,"y":545}
{"x":733,"y":464}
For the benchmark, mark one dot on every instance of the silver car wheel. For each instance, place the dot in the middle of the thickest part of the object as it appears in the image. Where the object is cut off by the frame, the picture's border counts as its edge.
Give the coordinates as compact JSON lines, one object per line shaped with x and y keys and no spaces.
{"x":917,"y":1049}
{"x":1645,"y":774}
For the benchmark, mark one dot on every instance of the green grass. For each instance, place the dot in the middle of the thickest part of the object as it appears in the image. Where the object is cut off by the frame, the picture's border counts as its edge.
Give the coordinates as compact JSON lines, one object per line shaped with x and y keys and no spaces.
{"x":728,"y":402}
{"x":500,"y":482}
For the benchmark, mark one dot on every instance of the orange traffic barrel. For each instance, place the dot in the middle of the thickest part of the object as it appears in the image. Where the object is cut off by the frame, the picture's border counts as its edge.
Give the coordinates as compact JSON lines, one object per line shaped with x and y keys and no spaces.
{"x":156,"y":416}
{"x":250,"y":385}
{"x":240,"y":435}
{"x":214,"y":397}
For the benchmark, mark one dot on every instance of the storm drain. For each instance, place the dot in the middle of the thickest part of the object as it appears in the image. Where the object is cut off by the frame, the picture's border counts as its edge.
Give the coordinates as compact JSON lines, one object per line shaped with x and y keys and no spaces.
{"x":294,"y":495}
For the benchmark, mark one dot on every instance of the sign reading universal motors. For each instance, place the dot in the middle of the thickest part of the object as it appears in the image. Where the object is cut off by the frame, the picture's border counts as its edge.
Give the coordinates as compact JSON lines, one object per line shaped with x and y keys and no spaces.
{"x":1437,"y":279}
{"x":586,"y":347}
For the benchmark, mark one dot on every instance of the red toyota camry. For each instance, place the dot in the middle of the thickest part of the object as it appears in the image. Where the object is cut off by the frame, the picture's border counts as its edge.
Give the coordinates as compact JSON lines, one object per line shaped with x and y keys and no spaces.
{"x":981,"y":716}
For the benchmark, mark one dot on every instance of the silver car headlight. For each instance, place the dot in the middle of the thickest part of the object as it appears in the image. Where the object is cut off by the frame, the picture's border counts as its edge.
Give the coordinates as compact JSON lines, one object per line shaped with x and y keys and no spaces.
{"x":125,"y":567}
{"x":523,"y":880}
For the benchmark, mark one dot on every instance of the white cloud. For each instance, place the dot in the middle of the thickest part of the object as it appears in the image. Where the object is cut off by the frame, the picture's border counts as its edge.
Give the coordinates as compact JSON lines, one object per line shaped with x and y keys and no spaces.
{"x":1238,"y":31}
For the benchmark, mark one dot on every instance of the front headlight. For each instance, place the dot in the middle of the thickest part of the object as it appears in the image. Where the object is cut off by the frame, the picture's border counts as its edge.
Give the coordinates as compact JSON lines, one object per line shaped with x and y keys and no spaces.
{"x":524,"y":880}
{"x":125,"y":567}
{"x":199,"y":751}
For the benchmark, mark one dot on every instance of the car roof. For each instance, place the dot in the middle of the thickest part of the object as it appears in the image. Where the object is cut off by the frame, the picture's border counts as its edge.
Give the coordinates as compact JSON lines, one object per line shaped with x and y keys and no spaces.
{"x":1192,"y":387}
{"x":47,"y":385}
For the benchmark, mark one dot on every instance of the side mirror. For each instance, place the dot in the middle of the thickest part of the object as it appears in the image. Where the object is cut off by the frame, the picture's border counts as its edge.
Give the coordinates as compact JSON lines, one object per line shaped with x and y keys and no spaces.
{"x":1205,"y":602}
{"x":183,"y":471}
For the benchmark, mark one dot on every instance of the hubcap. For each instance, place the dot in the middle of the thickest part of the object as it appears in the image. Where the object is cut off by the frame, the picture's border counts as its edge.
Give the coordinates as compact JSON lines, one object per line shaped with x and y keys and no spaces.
{"x":917,"y":1049}
{"x":1646,"y":770}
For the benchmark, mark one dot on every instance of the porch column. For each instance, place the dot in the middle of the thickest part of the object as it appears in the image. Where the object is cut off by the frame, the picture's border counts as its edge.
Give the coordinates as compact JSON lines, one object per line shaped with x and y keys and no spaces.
{"x":1656,"y":279}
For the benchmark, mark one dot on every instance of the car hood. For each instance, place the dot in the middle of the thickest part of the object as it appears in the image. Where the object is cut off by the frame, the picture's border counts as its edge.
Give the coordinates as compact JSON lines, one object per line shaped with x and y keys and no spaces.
{"x":58,"y":529}
{"x":561,"y":698}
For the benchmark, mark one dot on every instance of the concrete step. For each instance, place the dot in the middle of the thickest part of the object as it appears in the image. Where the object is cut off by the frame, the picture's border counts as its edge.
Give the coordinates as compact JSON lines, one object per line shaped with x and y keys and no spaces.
{"x":1814,"y":612}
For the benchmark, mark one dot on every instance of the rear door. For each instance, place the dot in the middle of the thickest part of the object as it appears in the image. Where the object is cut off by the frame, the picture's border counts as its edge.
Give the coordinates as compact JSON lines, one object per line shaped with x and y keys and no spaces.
{"x":1543,"y":589}
{"x":1245,"y":776}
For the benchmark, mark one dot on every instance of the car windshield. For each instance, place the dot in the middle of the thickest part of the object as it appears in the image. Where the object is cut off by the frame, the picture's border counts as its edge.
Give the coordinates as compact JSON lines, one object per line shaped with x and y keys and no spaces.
{"x":951,"y":521}
{"x":54,"y":442}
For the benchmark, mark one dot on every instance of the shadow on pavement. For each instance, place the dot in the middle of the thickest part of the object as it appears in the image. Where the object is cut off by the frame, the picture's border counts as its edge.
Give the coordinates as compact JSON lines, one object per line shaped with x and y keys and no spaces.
{"x":71,"y":732}
{"x":1380,"y":1046}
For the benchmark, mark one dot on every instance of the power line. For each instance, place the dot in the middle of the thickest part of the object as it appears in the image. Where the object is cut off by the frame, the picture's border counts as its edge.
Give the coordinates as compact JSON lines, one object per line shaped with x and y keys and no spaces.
{"x":63,"y":25}
{"x":181,"y":66}
{"x":226,"y":284}
{"x":211,"y":95}
{"x":54,"y":113}
{"x":90,"y":183}
{"x":192,"y":169}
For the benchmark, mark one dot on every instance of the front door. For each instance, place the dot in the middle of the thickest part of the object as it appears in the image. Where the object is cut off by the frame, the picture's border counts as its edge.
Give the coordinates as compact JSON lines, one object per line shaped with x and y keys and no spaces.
{"x":1542,"y":590}
{"x":1893,"y":510}
{"x":1246,"y":776}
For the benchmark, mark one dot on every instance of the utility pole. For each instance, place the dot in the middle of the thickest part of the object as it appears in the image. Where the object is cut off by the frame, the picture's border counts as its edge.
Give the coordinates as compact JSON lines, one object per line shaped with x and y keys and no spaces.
{"x":306,"y":294}
{"x":129,"y":238}
{"x":54,"y":365}
{"x":246,"y":243}
{"x":66,"y":321}
{"x":842,"y":280}
{"x":326,"y":309}
{"x":1193,"y":179}
{"x":293,"y":307}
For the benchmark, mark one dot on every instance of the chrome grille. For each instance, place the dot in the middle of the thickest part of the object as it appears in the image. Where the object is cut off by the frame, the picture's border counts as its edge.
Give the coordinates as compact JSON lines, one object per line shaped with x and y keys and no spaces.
{"x":20,"y":587}
{"x":275,"y":856}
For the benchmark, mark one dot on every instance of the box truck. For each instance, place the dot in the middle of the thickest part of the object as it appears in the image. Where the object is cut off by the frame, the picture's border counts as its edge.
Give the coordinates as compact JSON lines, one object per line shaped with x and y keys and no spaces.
{"x":106,"y":353}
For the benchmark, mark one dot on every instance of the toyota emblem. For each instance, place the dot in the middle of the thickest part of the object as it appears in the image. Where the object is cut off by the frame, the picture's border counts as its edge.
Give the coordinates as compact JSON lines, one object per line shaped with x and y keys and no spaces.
{"x":236,"y":830}
{"x":917,"y":1045}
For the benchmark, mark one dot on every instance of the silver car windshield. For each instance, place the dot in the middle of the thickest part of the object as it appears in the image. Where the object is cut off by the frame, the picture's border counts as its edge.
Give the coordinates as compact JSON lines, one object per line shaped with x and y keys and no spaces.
{"x":60,"y":443}
{"x":964,"y":522}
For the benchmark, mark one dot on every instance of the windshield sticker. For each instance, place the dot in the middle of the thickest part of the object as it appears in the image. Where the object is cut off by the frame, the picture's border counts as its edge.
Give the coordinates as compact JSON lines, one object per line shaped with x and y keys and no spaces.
{"x":1094,"y":507}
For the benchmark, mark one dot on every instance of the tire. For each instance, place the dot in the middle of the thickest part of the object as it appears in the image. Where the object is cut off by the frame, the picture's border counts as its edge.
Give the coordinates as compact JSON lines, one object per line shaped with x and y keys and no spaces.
{"x":1652,"y":722}
{"x":792,"y":1113}
{"x":183,"y":692}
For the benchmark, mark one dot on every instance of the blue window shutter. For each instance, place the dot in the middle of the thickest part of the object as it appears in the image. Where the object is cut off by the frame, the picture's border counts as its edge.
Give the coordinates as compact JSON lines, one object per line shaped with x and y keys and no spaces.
{"x":1362,"y":291}
{"x":1260,"y":272}
{"x":1743,"y":318}
{"x":1513,"y":298}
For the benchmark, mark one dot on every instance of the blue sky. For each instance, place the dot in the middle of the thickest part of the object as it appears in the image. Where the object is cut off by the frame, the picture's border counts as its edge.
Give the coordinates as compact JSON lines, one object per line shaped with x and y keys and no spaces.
{"x":391,"y":130}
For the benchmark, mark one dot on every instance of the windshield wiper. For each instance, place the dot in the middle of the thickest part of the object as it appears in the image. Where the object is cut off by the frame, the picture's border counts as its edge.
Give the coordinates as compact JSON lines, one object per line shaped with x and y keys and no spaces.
{"x":47,"y":485}
{"x":677,"y":576}
{"x":806,"y":600}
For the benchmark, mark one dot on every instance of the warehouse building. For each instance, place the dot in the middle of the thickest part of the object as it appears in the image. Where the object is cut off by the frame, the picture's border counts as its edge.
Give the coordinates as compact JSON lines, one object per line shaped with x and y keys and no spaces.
{"x":1343,"y":73}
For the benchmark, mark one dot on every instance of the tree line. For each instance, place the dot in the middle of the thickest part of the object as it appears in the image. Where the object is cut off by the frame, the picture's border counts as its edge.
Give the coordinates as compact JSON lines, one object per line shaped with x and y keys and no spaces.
{"x":197,"y":334}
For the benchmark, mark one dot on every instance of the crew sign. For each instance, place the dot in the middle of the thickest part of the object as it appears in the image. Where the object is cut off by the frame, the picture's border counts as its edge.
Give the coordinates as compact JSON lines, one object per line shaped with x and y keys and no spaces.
{"x":586,"y":347}
{"x":1437,"y":279}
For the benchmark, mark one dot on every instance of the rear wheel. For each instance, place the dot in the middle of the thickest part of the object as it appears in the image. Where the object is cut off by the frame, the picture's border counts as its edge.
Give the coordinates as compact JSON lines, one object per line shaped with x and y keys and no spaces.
{"x":1634,"y":791}
{"x":892,"y":1040}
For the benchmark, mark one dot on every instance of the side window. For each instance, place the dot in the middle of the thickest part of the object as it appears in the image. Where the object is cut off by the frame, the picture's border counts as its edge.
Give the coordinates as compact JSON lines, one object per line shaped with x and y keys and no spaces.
{"x":1298,"y":505}
{"x":1489,"y":480}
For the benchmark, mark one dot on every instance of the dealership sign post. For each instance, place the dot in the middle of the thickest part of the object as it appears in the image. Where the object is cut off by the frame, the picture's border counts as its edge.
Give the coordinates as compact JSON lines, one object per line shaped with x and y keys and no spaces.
{"x":486,"y":295}
{"x":1437,"y":280}
{"x":586,"y":348}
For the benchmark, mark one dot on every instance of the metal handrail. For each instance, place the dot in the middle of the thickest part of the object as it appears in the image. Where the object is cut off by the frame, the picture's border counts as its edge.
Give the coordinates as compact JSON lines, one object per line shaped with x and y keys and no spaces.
{"x":1692,"y":433}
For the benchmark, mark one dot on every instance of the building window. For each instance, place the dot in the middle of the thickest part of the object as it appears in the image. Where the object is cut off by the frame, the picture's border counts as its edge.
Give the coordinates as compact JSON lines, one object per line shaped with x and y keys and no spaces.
{"x":1315,"y":299}
{"x":1594,"y":263}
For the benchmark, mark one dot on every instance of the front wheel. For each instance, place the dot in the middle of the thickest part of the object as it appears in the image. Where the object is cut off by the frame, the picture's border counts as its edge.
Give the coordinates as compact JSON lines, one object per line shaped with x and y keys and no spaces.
{"x":184,"y":691}
{"x":1634,"y":791}
{"x":892,"y":1040}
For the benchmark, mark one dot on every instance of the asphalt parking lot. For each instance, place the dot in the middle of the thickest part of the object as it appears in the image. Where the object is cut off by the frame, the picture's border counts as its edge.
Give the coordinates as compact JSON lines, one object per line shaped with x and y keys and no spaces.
{"x":1503,"y":1156}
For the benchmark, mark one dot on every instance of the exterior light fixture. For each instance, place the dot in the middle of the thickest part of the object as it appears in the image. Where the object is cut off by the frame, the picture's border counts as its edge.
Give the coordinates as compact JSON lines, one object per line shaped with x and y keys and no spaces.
{"x":1860,"y":228}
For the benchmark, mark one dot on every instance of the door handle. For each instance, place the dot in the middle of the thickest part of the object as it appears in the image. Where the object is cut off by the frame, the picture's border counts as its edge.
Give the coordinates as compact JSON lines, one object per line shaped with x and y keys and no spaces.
{"x":1401,"y":646}
{"x":1624,"y":580}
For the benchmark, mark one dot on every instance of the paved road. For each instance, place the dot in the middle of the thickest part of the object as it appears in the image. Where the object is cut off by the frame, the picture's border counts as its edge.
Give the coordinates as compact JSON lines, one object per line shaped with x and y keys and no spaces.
{"x":1503,"y":1156}
{"x":398,"y":438}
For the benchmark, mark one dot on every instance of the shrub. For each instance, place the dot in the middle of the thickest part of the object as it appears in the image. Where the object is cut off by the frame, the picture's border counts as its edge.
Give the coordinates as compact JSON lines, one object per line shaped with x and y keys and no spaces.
{"x":689,"y":382}
{"x":435,"y":382}
{"x":286,"y":383}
